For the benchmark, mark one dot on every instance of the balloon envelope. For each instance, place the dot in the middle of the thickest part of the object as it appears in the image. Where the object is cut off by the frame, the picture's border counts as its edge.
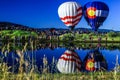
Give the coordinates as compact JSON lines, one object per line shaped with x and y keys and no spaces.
{"x":70,"y":13}
{"x":95,"y":61}
{"x":69,"y":62}
{"x":95,"y":13}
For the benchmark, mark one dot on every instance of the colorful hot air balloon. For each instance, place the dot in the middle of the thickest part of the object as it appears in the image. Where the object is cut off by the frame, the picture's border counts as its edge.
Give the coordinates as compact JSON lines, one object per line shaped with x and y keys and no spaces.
{"x":70,"y":13}
{"x":95,"y":61}
{"x":69,"y":62}
{"x":95,"y":13}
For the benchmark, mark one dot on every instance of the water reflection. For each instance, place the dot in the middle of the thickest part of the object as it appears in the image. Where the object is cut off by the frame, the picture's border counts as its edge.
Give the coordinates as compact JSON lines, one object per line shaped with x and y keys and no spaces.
{"x":60,"y":57}
{"x":69,"y":62}
{"x":95,"y":61}
{"x":33,"y":45}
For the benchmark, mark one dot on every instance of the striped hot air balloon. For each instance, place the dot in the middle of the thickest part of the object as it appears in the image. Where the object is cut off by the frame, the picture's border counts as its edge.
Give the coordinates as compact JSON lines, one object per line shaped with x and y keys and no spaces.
{"x":95,"y":13}
{"x":70,"y":13}
{"x":69,"y":62}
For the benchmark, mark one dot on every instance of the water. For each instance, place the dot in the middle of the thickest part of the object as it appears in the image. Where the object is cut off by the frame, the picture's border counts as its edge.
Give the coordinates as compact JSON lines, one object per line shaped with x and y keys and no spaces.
{"x":104,"y":56}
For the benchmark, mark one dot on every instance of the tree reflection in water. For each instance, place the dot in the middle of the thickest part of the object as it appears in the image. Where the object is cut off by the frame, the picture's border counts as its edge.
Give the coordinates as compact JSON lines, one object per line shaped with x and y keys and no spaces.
{"x":52,"y":45}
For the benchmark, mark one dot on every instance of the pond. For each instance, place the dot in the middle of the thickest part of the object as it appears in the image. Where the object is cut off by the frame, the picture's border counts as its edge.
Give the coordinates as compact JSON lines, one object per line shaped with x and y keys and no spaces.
{"x":61,"y":57}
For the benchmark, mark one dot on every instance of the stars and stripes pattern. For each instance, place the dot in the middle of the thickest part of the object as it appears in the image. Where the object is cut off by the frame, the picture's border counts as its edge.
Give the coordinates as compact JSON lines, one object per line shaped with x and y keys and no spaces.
{"x":70,"y":13}
{"x":69,"y":62}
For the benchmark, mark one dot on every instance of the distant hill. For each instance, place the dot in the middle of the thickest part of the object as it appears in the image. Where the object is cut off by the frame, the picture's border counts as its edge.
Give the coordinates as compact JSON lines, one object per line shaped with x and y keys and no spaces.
{"x":12,"y":26}
{"x":99,"y":30}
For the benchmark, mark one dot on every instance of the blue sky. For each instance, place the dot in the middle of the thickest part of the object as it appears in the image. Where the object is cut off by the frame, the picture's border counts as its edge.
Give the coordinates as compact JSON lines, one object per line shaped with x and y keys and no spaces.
{"x":44,"y":13}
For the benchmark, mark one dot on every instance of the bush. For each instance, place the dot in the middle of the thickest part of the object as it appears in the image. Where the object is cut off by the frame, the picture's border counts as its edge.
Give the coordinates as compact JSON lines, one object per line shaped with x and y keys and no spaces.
{"x":112,"y":34}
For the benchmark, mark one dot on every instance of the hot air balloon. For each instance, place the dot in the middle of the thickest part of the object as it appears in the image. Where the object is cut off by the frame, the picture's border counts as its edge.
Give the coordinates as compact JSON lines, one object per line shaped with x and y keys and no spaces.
{"x":95,"y":14}
{"x":70,"y":13}
{"x":69,"y":62}
{"x":95,"y":61}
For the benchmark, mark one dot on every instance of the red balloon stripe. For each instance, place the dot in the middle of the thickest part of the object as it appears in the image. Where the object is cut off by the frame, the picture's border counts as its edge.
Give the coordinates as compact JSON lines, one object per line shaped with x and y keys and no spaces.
{"x":71,"y":22}
{"x":71,"y":59}
{"x":79,"y":9}
{"x":73,"y":54}
{"x":71,"y":17}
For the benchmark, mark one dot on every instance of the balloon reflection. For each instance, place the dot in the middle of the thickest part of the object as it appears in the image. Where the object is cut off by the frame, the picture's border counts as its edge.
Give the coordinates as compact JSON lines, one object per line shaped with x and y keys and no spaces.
{"x":94,"y":61}
{"x":66,"y":62}
{"x":69,"y":62}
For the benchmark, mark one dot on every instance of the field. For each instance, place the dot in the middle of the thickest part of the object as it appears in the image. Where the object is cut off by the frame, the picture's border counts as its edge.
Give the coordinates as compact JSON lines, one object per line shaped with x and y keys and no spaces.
{"x":49,"y":76}
{"x":95,"y":37}
{"x":11,"y":34}
{"x":88,"y":37}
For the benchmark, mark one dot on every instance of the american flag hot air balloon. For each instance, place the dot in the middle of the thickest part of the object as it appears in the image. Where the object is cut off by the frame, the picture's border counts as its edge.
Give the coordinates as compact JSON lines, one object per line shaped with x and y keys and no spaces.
{"x":70,"y":13}
{"x":69,"y":62}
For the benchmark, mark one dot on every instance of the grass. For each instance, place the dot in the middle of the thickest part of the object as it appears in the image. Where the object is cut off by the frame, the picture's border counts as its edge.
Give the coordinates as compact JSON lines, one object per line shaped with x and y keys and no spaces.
{"x":91,"y":37}
{"x":17,"y":33}
{"x":59,"y":76}
{"x":88,"y":37}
